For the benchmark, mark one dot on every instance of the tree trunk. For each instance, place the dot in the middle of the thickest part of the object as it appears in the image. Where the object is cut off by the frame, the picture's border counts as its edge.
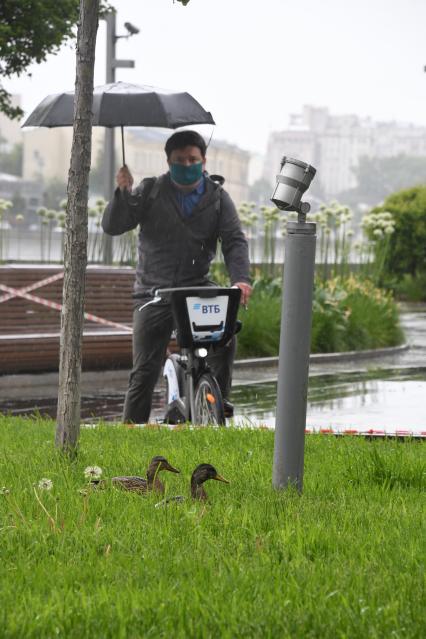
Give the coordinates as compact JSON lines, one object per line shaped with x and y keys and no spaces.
{"x":75,"y":247}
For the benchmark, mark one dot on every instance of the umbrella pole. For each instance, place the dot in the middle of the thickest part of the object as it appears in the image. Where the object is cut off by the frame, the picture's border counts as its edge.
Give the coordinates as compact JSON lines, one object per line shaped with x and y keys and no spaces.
{"x":122,"y":145}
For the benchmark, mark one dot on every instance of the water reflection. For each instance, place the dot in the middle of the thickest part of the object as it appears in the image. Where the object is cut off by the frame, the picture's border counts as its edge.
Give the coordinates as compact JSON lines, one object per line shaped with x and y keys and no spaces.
{"x":381,"y":400}
{"x":385,"y":400}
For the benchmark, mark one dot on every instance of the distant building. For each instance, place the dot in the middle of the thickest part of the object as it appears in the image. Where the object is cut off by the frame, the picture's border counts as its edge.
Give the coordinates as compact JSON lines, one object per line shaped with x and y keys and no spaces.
{"x":47,"y":154}
{"x":334,"y":145}
{"x":27,"y":195}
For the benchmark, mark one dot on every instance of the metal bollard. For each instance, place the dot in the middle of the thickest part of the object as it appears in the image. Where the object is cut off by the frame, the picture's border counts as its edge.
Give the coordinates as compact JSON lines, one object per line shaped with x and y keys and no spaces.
{"x":296,"y":320}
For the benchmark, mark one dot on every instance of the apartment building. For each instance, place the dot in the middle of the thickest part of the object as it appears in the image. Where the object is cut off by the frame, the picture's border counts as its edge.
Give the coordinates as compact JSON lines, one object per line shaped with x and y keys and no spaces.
{"x":334,"y":144}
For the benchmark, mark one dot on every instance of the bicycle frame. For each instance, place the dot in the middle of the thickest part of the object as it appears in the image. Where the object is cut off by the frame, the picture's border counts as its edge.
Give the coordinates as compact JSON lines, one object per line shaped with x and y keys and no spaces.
{"x":193,"y":367}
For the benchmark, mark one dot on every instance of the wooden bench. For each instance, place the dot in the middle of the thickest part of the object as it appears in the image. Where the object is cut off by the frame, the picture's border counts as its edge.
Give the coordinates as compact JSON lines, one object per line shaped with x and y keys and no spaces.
{"x":30,"y":331}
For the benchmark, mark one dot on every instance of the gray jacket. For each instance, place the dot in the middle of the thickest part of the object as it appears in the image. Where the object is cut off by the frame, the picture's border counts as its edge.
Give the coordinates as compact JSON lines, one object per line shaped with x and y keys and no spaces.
{"x":175,"y":250}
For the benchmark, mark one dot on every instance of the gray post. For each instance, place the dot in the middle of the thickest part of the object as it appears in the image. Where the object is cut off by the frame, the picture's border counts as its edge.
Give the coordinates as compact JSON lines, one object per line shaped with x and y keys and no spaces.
{"x":296,"y":320}
{"x":109,"y":177}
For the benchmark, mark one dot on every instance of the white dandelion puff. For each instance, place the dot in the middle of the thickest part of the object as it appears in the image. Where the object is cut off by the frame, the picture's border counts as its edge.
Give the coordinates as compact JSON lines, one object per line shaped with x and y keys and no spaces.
{"x":92,"y":472}
{"x":45,"y":484}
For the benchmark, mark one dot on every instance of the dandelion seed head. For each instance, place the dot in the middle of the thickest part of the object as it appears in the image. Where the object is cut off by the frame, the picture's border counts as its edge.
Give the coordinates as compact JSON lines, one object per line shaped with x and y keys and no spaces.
{"x":92,"y":472}
{"x":45,"y":484}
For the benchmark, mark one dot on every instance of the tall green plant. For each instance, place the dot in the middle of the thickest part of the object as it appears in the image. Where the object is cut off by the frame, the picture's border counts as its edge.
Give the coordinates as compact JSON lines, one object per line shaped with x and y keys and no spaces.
{"x":378,"y":229}
{"x":334,"y":239}
{"x":249,"y":218}
{"x":95,"y":237}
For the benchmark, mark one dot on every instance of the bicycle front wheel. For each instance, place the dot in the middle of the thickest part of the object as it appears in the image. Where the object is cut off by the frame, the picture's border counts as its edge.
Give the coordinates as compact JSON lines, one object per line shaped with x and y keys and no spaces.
{"x":208,"y":402}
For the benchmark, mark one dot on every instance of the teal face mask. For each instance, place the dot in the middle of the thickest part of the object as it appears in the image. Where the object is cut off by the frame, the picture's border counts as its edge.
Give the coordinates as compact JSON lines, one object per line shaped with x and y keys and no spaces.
{"x":185,"y":175}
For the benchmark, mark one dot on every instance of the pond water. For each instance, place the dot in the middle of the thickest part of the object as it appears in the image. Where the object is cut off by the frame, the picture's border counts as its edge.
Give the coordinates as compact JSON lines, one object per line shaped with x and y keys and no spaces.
{"x":390,"y":400}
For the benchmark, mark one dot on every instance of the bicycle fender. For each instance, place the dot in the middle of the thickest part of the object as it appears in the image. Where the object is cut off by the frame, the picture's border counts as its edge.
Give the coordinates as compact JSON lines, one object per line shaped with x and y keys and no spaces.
{"x":172,"y":381}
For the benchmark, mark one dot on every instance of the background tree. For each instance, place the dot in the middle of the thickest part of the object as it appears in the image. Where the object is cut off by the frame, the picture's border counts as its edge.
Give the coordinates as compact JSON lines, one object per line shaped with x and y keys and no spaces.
{"x":379,"y":177}
{"x":54,"y":192}
{"x":11,"y":160}
{"x":407,"y":246}
{"x":97,"y":172}
{"x":29,"y":31}
{"x":75,"y":247}
{"x":261,"y":191}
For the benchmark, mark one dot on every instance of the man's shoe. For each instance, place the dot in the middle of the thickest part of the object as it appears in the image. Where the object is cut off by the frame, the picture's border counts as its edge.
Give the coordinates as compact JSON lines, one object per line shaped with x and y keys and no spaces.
{"x":228,"y":408}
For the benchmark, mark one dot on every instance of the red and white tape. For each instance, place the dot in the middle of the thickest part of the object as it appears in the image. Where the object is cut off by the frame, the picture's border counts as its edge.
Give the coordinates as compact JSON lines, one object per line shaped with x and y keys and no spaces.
{"x":15,"y":292}
{"x":32,"y":287}
{"x":371,"y":433}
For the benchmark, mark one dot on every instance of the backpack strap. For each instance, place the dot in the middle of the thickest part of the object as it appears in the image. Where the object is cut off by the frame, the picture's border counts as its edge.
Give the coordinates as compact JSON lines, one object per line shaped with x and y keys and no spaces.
{"x":153,"y":189}
{"x":218,"y":209}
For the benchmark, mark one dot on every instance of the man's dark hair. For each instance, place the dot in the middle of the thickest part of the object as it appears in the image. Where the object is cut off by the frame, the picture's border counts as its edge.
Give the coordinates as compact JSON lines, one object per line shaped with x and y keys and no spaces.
{"x":181,"y":139}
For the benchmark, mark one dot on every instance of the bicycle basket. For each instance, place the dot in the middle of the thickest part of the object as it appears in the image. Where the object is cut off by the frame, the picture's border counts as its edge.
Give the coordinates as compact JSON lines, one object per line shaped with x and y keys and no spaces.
{"x":205,"y":315}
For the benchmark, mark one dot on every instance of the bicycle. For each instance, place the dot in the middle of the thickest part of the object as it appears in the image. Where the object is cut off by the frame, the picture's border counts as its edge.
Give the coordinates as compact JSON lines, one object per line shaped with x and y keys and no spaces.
{"x":205,"y":317}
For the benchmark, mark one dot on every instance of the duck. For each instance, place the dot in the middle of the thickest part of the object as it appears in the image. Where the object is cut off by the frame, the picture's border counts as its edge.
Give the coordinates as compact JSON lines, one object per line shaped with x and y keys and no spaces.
{"x":201,"y":474}
{"x":152,"y":481}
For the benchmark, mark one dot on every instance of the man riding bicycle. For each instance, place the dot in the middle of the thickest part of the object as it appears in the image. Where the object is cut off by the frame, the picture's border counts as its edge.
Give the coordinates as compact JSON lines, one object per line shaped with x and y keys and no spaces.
{"x":181,"y":214}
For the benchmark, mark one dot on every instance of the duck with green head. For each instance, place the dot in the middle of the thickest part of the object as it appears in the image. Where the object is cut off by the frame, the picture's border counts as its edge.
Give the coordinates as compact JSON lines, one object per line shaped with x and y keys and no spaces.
{"x":201,"y":474}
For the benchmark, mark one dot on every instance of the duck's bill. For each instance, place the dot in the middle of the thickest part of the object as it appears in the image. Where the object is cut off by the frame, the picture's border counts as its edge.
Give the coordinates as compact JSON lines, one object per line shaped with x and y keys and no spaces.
{"x":171,"y":469}
{"x":220,"y":478}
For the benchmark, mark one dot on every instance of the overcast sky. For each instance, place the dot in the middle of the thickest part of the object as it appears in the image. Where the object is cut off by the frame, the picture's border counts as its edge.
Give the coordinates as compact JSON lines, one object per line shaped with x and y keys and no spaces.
{"x":253,"y":62}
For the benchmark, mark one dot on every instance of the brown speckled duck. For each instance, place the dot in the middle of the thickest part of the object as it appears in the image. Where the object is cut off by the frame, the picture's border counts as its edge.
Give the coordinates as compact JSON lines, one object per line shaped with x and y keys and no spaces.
{"x":201,"y":474}
{"x":152,"y":481}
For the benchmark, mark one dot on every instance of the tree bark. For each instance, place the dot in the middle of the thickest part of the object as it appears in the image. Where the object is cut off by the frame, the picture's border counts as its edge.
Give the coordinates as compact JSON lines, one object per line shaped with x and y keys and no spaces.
{"x":75,"y":246}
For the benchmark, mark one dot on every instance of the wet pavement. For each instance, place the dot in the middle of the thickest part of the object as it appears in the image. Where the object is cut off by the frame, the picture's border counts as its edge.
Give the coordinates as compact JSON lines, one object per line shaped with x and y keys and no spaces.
{"x":385,"y":392}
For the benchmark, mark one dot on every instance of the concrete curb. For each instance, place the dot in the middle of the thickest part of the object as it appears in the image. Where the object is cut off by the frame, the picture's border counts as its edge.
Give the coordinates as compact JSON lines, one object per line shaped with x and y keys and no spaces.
{"x":320,"y":358}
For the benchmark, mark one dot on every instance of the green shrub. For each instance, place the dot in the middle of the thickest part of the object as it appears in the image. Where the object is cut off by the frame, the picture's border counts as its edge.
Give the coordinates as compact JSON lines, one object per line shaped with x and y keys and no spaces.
{"x":372,"y":316}
{"x":260,"y":336}
{"x":348,"y":314}
{"x":407,"y":246}
{"x":411,"y":289}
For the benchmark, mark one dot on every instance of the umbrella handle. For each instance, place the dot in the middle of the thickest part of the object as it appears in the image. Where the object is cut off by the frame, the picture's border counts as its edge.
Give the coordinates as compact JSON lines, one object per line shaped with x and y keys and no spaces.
{"x":122,"y":145}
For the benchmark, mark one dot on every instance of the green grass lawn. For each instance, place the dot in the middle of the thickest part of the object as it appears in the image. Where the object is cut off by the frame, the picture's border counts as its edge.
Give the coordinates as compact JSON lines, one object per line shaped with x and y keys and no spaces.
{"x":345,"y":559}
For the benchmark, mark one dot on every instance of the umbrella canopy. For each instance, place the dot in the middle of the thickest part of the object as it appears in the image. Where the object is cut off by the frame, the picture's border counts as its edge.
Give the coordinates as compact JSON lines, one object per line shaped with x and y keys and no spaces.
{"x":123,"y":104}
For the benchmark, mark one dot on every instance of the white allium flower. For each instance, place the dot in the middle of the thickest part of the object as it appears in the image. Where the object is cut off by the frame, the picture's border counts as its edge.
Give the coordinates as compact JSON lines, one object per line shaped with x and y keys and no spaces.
{"x":92,"y":472}
{"x":378,"y":233}
{"x":45,"y":484}
{"x":389,"y":229}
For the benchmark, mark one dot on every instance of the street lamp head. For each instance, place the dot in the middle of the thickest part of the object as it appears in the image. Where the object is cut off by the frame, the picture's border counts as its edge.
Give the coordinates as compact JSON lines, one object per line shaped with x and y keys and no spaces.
{"x":132,"y":30}
{"x":293,"y":180}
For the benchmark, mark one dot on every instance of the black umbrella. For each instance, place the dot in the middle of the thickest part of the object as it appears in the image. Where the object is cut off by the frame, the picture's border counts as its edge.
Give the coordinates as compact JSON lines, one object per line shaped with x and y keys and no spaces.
{"x":122,"y":104}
